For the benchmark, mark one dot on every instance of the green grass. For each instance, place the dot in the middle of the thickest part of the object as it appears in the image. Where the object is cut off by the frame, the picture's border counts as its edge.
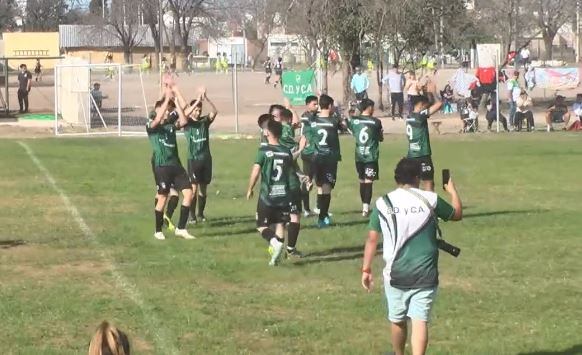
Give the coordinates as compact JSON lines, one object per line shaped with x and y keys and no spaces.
{"x":515,"y":288}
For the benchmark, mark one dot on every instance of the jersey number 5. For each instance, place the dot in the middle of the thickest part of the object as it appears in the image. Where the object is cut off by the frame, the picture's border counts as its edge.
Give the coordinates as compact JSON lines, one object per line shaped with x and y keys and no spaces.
{"x":277,"y":169}
{"x":323,"y":133}
{"x":409,"y":131}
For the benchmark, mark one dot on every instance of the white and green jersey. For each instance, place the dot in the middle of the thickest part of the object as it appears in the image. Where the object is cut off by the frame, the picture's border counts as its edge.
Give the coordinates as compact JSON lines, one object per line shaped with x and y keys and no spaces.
{"x":410,"y":236}
{"x":417,"y":133}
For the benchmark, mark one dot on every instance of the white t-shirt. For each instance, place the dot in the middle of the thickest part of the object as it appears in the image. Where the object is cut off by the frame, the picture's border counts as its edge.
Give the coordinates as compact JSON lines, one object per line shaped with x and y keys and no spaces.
{"x":514,"y":88}
{"x":395,"y":81}
{"x":524,"y":54}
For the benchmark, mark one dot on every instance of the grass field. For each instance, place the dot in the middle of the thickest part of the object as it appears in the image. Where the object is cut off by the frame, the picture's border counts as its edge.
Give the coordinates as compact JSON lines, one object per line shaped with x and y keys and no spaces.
{"x":515,"y":289}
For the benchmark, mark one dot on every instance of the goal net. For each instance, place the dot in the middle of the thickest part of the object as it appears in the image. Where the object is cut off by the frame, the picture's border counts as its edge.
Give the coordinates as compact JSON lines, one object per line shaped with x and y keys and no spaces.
{"x":99,"y":99}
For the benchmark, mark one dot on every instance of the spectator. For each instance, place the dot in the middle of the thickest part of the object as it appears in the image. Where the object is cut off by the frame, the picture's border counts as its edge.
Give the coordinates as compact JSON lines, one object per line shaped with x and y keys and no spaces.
{"x":523,"y":112}
{"x":447,"y":95}
{"x":487,"y":82}
{"x":575,"y":125}
{"x":97,"y":96}
{"x":395,"y":81}
{"x":109,"y":340}
{"x":24,"y":84}
{"x":491,"y":114}
{"x":557,"y":112}
{"x":513,"y":92}
{"x":411,"y":89}
{"x":360,"y":84}
{"x":524,"y":57}
{"x":530,"y":78}
{"x":407,"y":219}
{"x":38,"y":71}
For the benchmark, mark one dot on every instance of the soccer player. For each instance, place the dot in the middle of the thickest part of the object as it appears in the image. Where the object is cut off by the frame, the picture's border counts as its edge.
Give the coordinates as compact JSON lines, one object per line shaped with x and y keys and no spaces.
{"x":417,"y":133}
{"x":273,"y":166}
{"x":368,"y":132}
{"x":168,"y":169}
{"x":278,"y":72}
{"x":199,"y":157}
{"x":308,"y":151}
{"x":288,"y":119}
{"x":324,"y":132}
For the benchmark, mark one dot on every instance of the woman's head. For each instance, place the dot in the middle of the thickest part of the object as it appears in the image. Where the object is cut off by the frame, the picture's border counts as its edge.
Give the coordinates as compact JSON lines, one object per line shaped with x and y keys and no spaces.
{"x":109,"y":340}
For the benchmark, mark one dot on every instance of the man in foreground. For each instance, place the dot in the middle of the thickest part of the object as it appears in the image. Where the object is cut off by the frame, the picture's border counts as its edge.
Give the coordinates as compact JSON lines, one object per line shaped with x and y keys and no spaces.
{"x":273,"y":166}
{"x":407,"y":220}
{"x":368,"y":132}
{"x":418,"y":136}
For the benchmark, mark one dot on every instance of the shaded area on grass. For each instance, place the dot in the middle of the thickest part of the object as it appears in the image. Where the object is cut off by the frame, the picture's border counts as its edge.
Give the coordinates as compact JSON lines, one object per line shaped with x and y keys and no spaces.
{"x":497,"y":213}
{"x":574,"y":349}
{"x":334,"y":254}
{"x":7,"y":244}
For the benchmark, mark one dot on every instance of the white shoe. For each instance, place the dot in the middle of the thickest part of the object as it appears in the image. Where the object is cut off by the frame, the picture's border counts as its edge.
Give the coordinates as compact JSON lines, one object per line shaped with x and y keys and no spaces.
{"x":275,"y":250}
{"x":306,"y":213}
{"x":316,"y":212}
{"x":159,"y":236}
{"x":183,"y":233}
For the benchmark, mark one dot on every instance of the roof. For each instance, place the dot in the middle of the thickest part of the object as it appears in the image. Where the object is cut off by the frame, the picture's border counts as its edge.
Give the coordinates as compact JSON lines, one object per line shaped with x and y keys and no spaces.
{"x":91,"y":36}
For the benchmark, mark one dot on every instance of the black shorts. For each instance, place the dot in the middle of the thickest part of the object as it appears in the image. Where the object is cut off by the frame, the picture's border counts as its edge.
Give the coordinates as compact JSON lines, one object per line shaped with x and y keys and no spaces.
{"x":362,"y":95}
{"x":557,"y":116}
{"x":278,"y":72}
{"x":427,"y":173}
{"x":268,"y":72}
{"x":368,"y":171}
{"x":324,"y":172}
{"x":296,"y":203}
{"x":307,"y":165}
{"x":171,"y":177}
{"x":200,"y":171}
{"x":267,"y":215}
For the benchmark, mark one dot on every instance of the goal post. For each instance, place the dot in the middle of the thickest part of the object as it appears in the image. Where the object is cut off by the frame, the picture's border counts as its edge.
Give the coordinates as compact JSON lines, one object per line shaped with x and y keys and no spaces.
{"x":99,"y":99}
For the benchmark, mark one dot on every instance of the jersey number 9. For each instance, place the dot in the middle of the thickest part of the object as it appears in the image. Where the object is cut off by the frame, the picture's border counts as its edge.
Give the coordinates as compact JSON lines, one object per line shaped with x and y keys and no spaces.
{"x":409,"y":131}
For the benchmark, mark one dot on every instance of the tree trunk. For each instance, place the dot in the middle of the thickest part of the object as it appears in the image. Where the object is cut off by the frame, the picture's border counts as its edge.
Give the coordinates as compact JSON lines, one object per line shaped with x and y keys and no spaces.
{"x":127,"y":54}
{"x":347,"y":71}
{"x":548,"y":44}
{"x":325,"y":71}
{"x":263,"y":42}
{"x":379,"y":72}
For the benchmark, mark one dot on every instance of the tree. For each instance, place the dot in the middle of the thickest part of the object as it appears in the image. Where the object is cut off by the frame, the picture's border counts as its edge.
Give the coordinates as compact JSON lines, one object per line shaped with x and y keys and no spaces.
{"x":45,"y":15}
{"x":8,"y":11}
{"x":551,"y":16}
{"x":186,"y":13}
{"x":151,"y":14}
{"x":124,"y":23}
{"x":96,"y":7}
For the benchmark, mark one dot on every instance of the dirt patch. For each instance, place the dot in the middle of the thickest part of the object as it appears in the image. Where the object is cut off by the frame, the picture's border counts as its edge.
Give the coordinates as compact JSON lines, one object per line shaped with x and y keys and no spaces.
{"x":17,"y":131}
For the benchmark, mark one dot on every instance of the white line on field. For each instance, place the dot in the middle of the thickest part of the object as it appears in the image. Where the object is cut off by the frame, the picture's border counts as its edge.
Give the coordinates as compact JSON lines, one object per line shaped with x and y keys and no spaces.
{"x":130,"y":289}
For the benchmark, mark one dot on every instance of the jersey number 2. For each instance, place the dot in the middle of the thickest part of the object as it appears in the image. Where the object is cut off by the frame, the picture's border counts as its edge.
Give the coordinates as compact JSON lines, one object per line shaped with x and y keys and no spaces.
{"x":323,"y":133}
{"x":277,"y":169}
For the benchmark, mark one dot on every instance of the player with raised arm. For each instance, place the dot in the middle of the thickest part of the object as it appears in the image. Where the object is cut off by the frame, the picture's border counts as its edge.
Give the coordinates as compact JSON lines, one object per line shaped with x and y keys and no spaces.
{"x":324,"y":129}
{"x":418,"y":136}
{"x":273,"y":166}
{"x":368,"y":132}
{"x":199,"y":157}
{"x":307,"y":154}
{"x":167,"y":167}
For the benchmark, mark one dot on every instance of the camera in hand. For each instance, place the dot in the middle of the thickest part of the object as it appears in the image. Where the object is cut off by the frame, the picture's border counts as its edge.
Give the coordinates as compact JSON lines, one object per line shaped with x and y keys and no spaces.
{"x":449,"y":248}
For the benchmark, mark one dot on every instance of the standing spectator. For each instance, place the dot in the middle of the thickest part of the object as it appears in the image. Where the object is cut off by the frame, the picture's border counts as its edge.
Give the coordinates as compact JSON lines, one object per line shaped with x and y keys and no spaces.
{"x":524,"y":57}
{"x":268,"y":70}
{"x":395,"y":81}
{"x":487,"y":82}
{"x":530,"y":78}
{"x":224,"y":63}
{"x":575,"y":125}
{"x":523,"y":112}
{"x":407,"y":219}
{"x":173,"y":64}
{"x":557,"y":112}
{"x":447,"y":95}
{"x":278,"y":72}
{"x":513,"y":92}
{"x":38,"y":71}
{"x":411,"y":89}
{"x":491,"y":114}
{"x":360,"y":84}
{"x":24,"y":83}
{"x":97,"y":95}
{"x":109,"y":340}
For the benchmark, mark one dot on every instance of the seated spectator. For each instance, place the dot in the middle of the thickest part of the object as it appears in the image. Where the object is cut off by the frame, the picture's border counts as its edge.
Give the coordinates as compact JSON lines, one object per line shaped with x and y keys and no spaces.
{"x":491,"y":115}
{"x":523,"y":112}
{"x":557,"y":112}
{"x":97,"y":95}
{"x":109,"y":340}
{"x":447,"y":95}
{"x":574,"y":124}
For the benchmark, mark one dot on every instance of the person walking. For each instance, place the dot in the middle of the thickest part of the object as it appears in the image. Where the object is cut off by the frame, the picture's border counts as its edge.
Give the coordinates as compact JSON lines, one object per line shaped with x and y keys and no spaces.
{"x":407,"y":219}
{"x":360,"y":84}
{"x":24,"y":84}
{"x":395,"y":81}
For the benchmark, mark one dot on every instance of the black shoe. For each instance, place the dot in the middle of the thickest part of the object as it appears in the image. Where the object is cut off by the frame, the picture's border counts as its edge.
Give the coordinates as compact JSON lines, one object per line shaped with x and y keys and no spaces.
{"x":201,"y":218}
{"x":192,"y":221}
{"x":294,"y":253}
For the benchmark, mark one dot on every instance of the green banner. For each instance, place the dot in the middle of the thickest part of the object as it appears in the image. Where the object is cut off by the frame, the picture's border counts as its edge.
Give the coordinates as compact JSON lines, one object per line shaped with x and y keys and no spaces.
{"x":297,"y":85}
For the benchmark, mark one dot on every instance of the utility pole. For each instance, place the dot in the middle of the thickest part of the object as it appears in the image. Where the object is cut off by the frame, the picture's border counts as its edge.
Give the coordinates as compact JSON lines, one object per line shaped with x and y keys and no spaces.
{"x":103,"y":8}
{"x":160,"y":31}
{"x":577,"y":31}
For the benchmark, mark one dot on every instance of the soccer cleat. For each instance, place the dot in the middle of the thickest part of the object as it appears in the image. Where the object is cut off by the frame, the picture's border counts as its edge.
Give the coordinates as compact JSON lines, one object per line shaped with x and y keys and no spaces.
{"x":171,"y":227}
{"x":321,"y":224}
{"x":201,"y":218}
{"x":365,"y":213}
{"x":294,"y":253}
{"x":183,"y":233}
{"x":276,"y":251}
{"x":327,"y":221}
{"x":306,"y":213}
{"x":192,"y":221}
{"x":159,"y":236}
{"x":316,"y":211}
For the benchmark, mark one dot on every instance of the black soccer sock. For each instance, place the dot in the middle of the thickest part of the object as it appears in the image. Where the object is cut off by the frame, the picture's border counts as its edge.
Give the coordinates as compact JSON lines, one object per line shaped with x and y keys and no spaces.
{"x":367,"y":194}
{"x":193,"y":208}
{"x":184,"y":210}
{"x":325,"y":201}
{"x":172,"y":204}
{"x":159,"y":220}
{"x":268,"y":234}
{"x":305,"y":199}
{"x":363,"y":192}
{"x":155,"y":202}
{"x":201,"y":205}
{"x":292,"y":234}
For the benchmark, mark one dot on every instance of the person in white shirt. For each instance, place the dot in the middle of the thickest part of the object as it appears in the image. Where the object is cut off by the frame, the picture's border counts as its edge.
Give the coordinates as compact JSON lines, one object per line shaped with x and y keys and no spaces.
{"x":395,"y":81}
{"x":524,"y":55}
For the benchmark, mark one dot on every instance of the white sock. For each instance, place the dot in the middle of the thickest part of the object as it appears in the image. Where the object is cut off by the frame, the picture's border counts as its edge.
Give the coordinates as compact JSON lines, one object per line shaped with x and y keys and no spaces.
{"x":365,"y":207}
{"x":275,"y":243}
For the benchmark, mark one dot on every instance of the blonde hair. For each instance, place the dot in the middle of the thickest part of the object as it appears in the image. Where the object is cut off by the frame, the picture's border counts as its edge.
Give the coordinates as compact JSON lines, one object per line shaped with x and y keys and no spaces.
{"x":108,"y":340}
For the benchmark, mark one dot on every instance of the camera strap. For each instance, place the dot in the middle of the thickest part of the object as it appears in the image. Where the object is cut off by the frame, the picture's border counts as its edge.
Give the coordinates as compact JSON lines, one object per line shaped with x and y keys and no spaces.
{"x":432,"y":213}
